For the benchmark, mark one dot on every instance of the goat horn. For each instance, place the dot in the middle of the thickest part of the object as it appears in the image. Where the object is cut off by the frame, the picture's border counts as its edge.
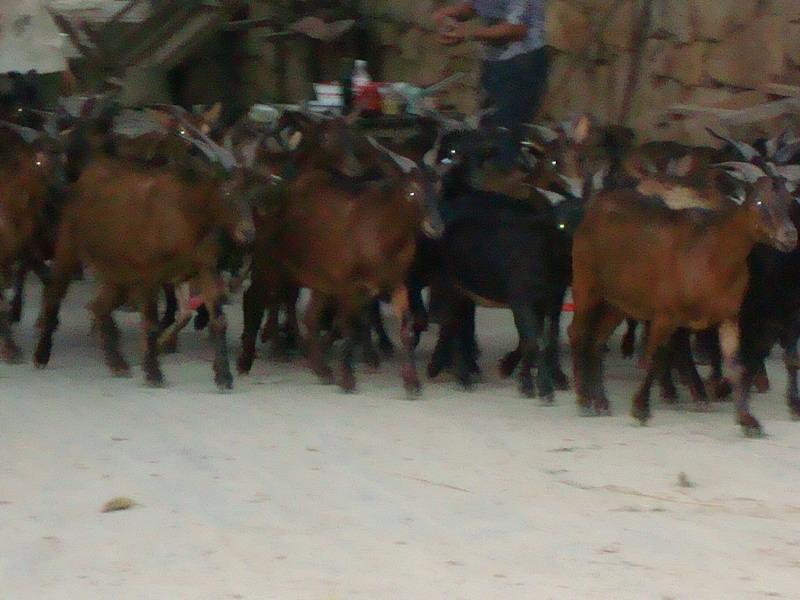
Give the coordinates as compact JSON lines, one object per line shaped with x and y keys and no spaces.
{"x":554,"y":198}
{"x":218,"y":153}
{"x":406,"y":164}
{"x":745,"y":149}
{"x":790,"y":173}
{"x":26,"y":133}
{"x":546,"y":134}
{"x":786,"y":152}
{"x":774,"y":144}
{"x":743,"y":170}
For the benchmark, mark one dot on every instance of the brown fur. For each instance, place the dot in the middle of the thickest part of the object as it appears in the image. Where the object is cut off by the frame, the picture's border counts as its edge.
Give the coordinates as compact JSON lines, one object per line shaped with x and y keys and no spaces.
{"x":24,"y":174}
{"x":634,"y":256}
{"x":141,"y":227}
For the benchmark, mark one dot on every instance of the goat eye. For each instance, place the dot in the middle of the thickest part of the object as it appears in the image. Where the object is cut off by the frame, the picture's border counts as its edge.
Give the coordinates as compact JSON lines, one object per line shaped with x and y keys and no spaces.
{"x":38,"y":163}
{"x":562,"y":226}
{"x":554,"y":163}
{"x":759,"y":203}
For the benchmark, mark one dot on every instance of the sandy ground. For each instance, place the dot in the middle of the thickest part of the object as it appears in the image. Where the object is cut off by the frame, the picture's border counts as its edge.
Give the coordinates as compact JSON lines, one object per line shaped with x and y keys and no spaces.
{"x":286,"y":489}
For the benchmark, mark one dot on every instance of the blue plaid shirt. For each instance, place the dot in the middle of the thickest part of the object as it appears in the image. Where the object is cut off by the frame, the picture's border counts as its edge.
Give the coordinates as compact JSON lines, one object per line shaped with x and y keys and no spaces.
{"x":520,"y":12}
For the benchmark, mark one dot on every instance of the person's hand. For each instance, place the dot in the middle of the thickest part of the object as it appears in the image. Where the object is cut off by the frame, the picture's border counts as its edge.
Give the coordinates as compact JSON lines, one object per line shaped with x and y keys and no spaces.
{"x":440,"y":17}
{"x":455,"y":34}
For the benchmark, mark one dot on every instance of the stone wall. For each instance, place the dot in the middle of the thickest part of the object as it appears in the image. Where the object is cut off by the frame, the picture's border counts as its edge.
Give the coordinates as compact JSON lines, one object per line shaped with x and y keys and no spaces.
{"x":623,"y":60}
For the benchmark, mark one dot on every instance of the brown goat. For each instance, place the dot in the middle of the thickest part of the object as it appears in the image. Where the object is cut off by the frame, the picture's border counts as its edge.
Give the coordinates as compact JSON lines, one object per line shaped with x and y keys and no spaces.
{"x":25,"y":171}
{"x":633,"y":256}
{"x":141,"y":227}
{"x":349,"y":242}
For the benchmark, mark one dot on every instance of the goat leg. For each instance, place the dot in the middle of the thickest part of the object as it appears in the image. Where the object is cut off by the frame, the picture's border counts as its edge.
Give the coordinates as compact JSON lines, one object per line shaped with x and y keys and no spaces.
{"x":316,"y":306}
{"x":684,"y":361}
{"x":52,"y":296}
{"x":20,"y":274}
{"x":152,"y":370}
{"x":384,"y":343}
{"x":364,"y":324}
{"x":349,"y":328}
{"x":400,"y":303}
{"x":729,"y":336}
{"x":761,"y":379}
{"x":10,"y":352}
{"x":109,"y":298}
{"x":212,"y":293}
{"x":552,"y":350}
{"x":253,"y":303}
{"x":657,"y":358}
{"x":628,"y":346}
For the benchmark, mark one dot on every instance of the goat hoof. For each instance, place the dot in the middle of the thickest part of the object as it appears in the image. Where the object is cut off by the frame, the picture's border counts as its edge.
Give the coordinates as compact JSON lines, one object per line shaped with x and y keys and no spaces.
{"x":155,"y":381}
{"x":387,"y":347}
{"x":225,"y":386}
{"x":585,"y":410}
{"x":40,"y":359}
{"x":628,"y":347}
{"x":11,"y":354}
{"x":526,"y":389}
{"x":434,"y":368}
{"x":547,"y":399}
{"x":721,"y":388}
{"x":121,"y":371}
{"x":413,"y":391}
{"x":243,"y":365}
{"x":794,"y":414}
{"x":170,"y":346}
{"x":761,"y":383}
{"x":669,"y":396}
{"x":750,"y":426}
{"x":701,"y":406}
{"x":753,"y":431}
{"x":466,"y":385}
{"x":560,"y":381}
{"x":348,"y":384}
{"x":642,"y":415}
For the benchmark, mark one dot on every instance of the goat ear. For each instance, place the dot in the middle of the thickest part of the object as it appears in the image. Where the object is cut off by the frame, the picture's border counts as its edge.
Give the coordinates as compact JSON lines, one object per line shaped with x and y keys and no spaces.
{"x":542,"y":134}
{"x":247,"y":153}
{"x":212,"y":115}
{"x":553,"y":198}
{"x":26,"y":133}
{"x":639,"y":166}
{"x":681,"y":167}
{"x":581,"y":128}
{"x":791,"y":173}
{"x":599,"y":178}
{"x":746,"y":150}
{"x":744,"y":171}
{"x":294,"y":140}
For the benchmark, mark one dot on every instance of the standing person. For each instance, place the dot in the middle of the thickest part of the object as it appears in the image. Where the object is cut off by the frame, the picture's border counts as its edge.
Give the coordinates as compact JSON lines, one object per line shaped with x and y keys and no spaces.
{"x":515,"y":66}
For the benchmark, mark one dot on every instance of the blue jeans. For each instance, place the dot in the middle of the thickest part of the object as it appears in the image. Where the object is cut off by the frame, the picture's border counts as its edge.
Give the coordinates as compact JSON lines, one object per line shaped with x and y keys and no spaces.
{"x":514,"y":88}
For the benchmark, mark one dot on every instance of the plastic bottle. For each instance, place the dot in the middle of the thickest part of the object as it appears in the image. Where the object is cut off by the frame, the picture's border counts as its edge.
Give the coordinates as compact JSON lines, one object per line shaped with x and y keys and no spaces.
{"x":360,"y":76}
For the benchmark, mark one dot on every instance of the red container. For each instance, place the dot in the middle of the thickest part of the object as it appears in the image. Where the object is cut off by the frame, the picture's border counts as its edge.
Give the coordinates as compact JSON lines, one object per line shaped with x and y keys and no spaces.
{"x":369,"y":98}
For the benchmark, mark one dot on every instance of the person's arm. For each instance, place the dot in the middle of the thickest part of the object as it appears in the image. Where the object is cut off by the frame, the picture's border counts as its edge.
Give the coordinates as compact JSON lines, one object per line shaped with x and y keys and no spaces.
{"x":460,"y":12}
{"x":499,"y":32}
{"x":512,"y":29}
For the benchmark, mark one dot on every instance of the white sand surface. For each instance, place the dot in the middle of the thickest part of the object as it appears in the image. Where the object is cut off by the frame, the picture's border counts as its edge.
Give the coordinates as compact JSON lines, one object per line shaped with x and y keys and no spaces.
{"x":286,"y":489}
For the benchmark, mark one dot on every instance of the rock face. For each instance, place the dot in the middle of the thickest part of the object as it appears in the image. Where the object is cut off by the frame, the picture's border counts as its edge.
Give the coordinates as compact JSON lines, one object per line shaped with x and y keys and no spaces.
{"x":751,"y":56}
{"x":711,"y":53}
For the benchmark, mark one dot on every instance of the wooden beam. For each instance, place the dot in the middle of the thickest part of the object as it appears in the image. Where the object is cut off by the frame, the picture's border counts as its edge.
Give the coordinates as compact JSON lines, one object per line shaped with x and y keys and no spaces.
{"x":780,"y":89}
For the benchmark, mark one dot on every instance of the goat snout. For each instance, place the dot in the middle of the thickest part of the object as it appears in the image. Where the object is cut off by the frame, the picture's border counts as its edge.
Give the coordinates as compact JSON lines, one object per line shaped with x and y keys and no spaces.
{"x":245,"y":234}
{"x":432,"y":228}
{"x":786,"y":238}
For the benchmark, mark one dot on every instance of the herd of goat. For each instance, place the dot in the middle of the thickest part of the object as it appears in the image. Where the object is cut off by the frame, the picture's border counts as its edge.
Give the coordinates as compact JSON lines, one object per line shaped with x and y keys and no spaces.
{"x":689,"y":241}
